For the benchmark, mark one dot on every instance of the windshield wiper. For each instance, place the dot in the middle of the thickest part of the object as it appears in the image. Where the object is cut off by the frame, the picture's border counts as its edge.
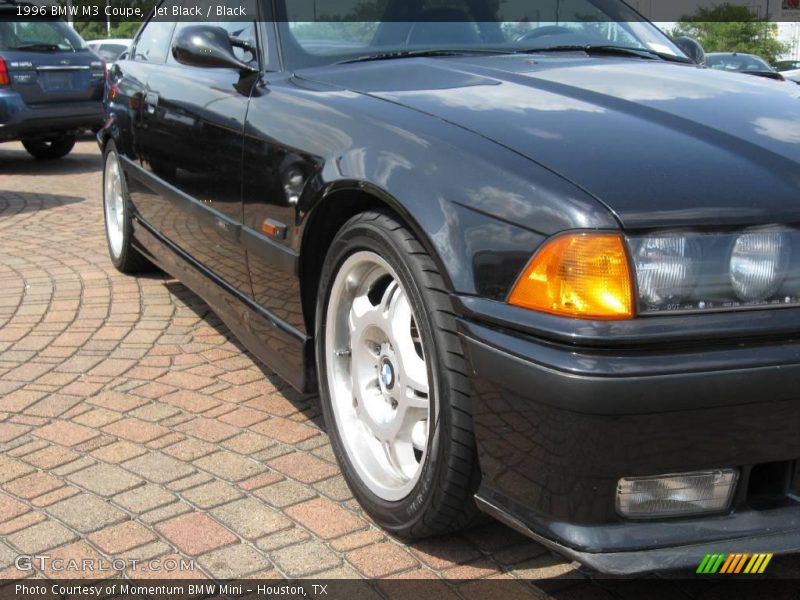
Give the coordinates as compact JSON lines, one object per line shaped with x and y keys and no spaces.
{"x":608,"y":49}
{"x":419,"y":53}
{"x":38,"y":47}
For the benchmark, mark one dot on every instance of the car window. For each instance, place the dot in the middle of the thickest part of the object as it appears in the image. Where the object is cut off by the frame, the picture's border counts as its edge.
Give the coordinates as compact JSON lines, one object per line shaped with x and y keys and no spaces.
{"x":152,"y":45}
{"x":788,"y":65}
{"x":16,"y":34}
{"x":737,"y":62}
{"x":110,"y":52}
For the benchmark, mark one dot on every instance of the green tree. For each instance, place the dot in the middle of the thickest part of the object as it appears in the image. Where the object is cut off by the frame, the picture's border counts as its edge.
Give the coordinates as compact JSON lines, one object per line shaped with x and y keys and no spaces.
{"x":729,"y":28}
{"x":95,"y":30}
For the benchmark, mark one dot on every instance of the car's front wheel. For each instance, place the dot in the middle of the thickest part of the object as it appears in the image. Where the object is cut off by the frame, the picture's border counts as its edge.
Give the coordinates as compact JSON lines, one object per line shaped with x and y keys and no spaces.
{"x":118,"y":218}
{"x":50,"y":149}
{"x":391,"y":370}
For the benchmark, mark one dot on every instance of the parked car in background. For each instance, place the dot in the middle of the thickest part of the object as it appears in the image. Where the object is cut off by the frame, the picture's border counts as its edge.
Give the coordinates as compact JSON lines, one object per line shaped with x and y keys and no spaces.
{"x":793,"y":75}
{"x":749,"y":64}
{"x":549,"y":272}
{"x":787,"y":65}
{"x":109,"y":50}
{"x":51,"y":85}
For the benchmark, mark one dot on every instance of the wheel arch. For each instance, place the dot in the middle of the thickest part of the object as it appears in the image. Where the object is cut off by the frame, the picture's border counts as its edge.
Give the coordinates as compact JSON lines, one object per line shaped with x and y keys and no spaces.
{"x":103,"y":137}
{"x":335,"y":207}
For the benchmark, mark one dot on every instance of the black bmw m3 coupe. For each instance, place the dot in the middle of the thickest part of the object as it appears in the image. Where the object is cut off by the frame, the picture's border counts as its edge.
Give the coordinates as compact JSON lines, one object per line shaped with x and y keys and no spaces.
{"x":548,"y":270}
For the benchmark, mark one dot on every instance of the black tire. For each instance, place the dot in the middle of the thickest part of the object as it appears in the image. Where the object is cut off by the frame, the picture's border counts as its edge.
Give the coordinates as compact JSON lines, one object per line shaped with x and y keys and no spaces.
{"x":128,"y":260}
{"x":442,"y":499}
{"x":50,"y":149}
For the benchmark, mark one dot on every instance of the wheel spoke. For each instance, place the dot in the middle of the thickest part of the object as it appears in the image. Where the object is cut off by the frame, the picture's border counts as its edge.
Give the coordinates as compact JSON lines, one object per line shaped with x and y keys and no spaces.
{"x":400,"y":454}
{"x":413,"y":400}
{"x":419,"y":435}
{"x":405,"y":420}
{"x":364,"y":393}
{"x":389,"y":295}
{"x":414,"y":380}
{"x":414,"y":371}
{"x":399,"y":316}
{"x":362,"y":314}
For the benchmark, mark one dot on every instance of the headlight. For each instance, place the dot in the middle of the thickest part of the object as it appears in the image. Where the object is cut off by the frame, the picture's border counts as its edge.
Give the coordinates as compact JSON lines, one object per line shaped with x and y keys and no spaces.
{"x":702,"y":272}
{"x":590,"y":275}
{"x":666,"y":269}
{"x":758,"y":264}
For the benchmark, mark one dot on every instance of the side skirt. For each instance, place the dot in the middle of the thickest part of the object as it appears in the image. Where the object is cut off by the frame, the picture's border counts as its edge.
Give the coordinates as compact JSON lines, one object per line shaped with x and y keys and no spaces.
{"x":277,"y":344}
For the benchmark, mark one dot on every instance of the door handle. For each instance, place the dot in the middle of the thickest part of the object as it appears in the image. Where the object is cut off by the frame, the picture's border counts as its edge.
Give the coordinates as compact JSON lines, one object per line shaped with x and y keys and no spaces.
{"x":151,"y":102}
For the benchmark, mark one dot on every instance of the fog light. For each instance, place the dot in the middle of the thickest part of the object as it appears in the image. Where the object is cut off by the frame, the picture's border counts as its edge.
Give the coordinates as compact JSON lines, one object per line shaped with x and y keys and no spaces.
{"x":678,"y":495}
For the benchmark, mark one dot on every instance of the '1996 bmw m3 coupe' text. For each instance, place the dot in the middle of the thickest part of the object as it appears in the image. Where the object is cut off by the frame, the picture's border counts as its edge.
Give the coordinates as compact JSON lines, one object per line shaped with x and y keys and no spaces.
{"x":548,"y":270}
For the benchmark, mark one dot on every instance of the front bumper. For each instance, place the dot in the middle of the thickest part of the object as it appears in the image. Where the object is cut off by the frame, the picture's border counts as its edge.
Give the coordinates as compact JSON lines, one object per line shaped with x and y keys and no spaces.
{"x":20,"y":121}
{"x":656,"y":558}
{"x":558,"y":425}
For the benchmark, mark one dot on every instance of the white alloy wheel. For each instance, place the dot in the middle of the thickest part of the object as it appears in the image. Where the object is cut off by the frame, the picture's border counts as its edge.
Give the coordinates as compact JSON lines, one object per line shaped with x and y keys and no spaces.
{"x":114,"y":205}
{"x":378,"y":376}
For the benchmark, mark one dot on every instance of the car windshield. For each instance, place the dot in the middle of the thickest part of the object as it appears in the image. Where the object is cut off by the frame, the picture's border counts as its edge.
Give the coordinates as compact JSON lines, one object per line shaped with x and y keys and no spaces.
{"x":109,"y":52}
{"x":736,"y":62}
{"x":45,"y":36}
{"x":317,"y":32}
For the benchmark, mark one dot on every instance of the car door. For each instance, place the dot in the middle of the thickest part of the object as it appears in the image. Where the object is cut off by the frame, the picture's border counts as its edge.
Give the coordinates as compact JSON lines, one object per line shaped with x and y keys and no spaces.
{"x":275,"y":177}
{"x":128,"y":80}
{"x":190,"y":141}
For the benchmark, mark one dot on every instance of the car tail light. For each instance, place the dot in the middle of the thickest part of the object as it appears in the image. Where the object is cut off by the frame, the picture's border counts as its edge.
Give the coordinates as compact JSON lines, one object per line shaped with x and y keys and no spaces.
{"x":4,"y":77}
{"x":578,"y":275}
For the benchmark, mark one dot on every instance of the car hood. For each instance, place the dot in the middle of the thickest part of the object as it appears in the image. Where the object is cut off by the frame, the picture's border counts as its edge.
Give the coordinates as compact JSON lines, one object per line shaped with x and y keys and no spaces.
{"x":660,"y":144}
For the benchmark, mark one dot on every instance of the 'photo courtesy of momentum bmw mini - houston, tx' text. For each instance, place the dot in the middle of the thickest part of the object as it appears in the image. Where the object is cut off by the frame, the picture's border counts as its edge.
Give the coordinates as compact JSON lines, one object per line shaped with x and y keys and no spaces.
{"x":448,"y":289}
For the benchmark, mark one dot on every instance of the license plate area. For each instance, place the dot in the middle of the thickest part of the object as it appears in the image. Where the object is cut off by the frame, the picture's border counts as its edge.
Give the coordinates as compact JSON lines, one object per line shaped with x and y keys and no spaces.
{"x":60,"y":81}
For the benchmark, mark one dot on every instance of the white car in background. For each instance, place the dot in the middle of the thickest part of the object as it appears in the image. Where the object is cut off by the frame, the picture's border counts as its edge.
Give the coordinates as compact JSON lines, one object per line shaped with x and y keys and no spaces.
{"x":793,"y":75}
{"x":110,"y":49}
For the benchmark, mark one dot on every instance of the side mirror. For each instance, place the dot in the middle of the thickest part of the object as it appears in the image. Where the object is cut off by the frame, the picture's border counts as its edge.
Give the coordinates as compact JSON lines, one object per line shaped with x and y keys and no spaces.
{"x":692,"y":48}
{"x":207,"y":46}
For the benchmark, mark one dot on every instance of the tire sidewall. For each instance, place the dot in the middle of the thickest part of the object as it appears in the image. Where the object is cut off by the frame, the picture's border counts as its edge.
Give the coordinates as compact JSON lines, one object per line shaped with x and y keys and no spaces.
{"x":59,"y":149}
{"x":356,"y":236}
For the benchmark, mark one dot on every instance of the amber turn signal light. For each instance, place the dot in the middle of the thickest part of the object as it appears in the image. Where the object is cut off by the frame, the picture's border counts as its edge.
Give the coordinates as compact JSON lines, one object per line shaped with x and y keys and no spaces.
{"x":579,"y":275}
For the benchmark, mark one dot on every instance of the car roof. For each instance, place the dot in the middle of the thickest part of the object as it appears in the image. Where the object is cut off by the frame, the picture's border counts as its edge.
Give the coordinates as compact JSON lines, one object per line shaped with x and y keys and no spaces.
{"x":733,"y":54}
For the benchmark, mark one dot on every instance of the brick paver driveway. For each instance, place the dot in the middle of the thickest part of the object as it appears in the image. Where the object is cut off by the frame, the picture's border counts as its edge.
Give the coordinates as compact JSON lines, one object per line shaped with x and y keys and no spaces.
{"x":132,"y":425}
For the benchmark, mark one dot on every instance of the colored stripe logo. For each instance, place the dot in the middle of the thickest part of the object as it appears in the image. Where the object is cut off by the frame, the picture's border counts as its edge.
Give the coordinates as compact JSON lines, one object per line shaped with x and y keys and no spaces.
{"x":734,"y":564}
